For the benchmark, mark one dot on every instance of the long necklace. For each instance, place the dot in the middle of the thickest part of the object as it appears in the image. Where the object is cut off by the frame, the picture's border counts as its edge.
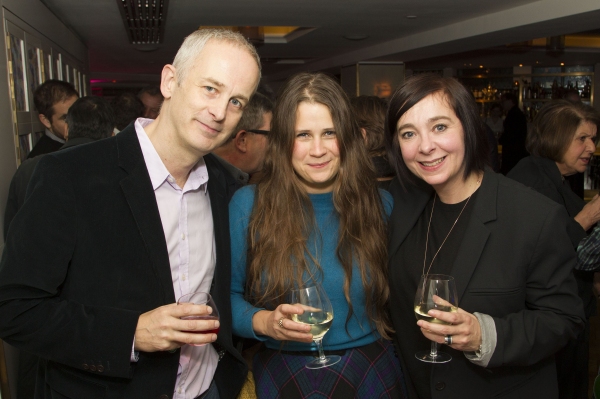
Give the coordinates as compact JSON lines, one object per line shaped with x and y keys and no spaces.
{"x":447,"y":235}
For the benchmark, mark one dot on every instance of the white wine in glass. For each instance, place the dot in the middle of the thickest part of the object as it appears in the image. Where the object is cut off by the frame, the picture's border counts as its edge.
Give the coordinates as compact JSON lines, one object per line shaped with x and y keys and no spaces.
{"x":318,"y":314}
{"x":435,"y":292}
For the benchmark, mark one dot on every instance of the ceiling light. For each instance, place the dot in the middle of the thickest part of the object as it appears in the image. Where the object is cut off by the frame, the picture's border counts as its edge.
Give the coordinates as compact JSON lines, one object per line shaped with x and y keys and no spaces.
{"x":144,"y":20}
{"x":562,"y":64}
{"x":481,"y":66}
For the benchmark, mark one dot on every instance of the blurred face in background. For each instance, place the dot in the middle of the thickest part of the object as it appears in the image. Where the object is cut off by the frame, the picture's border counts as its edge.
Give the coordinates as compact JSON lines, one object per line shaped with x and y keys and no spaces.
{"x":580,"y":151}
{"x":151,"y":105}
{"x":57,"y":123}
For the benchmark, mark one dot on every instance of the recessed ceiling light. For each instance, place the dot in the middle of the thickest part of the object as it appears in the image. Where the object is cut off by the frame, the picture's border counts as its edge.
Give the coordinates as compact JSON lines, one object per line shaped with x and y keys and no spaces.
{"x":356,"y":36}
{"x":520,"y":65}
{"x":562,"y":64}
{"x":411,"y":16}
{"x":481,"y":66}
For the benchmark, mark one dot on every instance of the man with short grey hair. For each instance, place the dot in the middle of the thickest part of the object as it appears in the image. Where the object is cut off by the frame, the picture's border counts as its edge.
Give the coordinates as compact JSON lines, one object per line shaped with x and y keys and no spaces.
{"x":137,"y":221}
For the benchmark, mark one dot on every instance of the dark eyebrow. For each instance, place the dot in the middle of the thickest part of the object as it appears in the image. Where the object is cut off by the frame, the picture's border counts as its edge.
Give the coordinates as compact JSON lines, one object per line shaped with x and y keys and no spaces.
{"x":219,"y":85}
{"x":430,"y":120}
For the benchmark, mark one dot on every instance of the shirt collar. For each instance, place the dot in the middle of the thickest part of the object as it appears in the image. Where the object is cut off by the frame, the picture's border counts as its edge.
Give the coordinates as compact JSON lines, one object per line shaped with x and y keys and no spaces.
{"x":54,"y":136}
{"x":156,"y":168}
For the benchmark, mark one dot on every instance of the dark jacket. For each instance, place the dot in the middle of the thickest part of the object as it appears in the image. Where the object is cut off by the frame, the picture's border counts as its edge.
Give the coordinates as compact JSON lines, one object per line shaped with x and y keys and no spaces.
{"x":20,"y":180}
{"x":45,"y":145}
{"x":514,"y":264}
{"x":513,"y":139}
{"x":85,"y":257}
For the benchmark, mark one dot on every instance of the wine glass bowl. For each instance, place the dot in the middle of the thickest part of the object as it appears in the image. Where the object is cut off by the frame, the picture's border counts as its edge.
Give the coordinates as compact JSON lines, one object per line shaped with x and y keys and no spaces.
{"x":200,"y":298}
{"x":435,"y":292}
{"x":318,"y":314}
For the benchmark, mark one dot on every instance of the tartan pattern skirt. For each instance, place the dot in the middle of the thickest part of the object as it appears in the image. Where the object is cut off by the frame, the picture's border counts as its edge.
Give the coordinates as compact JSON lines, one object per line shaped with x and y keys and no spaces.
{"x":370,"y":371}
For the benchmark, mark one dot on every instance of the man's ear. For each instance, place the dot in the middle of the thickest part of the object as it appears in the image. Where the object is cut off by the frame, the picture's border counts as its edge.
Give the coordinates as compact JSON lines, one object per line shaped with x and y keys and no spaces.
{"x":241,"y":141}
{"x":44,"y":121}
{"x":168,"y":80}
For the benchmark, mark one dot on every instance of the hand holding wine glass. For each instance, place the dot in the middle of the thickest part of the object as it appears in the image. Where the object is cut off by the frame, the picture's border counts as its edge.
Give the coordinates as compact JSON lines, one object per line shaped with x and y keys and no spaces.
{"x":435,"y":292}
{"x":318,"y":314}
{"x":201,"y":298}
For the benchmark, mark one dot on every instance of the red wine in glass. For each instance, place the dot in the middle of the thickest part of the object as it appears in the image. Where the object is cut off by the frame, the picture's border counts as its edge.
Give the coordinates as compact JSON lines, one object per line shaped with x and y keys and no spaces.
{"x":213,"y":331}
{"x":200,"y":298}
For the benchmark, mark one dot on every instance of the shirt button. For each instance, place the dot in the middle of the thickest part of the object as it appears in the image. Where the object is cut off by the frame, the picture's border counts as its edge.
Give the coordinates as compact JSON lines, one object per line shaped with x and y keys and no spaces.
{"x":183,"y":277}
{"x":170,"y":179}
{"x":439,"y":386}
{"x":183,"y":236}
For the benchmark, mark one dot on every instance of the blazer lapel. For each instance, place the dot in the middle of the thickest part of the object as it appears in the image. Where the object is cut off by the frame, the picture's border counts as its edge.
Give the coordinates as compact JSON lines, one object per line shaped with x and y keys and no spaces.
{"x":217,"y":192}
{"x":477,"y":233}
{"x":139,"y":194}
{"x":409,"y":203}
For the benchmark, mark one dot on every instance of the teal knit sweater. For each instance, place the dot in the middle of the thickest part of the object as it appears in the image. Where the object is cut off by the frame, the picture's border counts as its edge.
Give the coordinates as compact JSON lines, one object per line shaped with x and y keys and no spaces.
{"x":359,"y":330}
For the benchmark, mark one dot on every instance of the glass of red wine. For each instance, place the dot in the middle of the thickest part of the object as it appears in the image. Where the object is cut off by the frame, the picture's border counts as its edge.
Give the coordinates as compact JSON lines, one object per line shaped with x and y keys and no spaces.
{"x":200,"y":298}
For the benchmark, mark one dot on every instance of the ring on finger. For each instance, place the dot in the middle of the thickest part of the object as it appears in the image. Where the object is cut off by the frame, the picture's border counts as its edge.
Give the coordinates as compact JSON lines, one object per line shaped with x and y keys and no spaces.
{"x":280,"y":322}
{"x":448,"y":339}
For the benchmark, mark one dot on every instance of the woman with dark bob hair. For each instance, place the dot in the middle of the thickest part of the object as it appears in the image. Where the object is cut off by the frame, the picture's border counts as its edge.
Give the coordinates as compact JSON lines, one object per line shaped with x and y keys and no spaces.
{"x":561,"y":142}
{"x":505,"y":245}
{"x":316,"y":216}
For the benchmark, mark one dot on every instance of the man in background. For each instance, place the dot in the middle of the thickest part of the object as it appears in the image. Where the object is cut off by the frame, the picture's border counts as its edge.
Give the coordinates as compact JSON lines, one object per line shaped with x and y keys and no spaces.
{"x":89,"y":119}
{"x":152,"y":99}
{"x":514,"y":135}
{"x":127,"y":108}
{"x":243,"y":154}
{"x":52,"y":100}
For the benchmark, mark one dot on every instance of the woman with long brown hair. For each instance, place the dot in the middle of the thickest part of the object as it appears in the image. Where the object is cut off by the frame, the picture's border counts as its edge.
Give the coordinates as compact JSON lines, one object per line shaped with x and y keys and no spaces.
{"x":315,"y":217}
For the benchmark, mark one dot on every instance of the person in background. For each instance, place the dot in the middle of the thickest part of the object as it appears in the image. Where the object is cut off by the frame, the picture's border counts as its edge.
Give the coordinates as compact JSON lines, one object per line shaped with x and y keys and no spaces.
{"x":514,"y":134}
{"x":315,"y":217}
{"x":152,"y":98}
{"x":136,"y":221}
{"x":562,"y":141}
{"x":495,"y":120}
{"x":52,"y":100}
{"x":243,"y":154}
{"x":370,"y":115}
{"x":89,"y":119}
{"x":127,"y":108}
{"x":517,"y":300}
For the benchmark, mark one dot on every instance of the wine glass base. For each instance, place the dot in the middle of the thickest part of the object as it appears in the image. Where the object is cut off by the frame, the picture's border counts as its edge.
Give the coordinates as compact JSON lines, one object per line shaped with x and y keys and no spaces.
{"x":426,"y":357}
{"x":328,"y":361}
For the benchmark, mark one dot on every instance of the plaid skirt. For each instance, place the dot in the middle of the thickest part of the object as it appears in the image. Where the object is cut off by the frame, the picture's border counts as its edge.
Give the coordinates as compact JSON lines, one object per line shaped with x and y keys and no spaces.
{"x":370,"y":371}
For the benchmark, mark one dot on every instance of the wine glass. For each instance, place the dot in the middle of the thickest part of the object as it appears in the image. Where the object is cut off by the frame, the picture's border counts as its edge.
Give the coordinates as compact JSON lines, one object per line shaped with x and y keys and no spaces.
{"x":318,"y":314}
{"x":435,"y":291}
{"x":200,"y":298}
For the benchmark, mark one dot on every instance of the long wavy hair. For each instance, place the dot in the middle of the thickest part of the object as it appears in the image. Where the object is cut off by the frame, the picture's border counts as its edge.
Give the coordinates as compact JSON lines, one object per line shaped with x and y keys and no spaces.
{"x":282,"y":219}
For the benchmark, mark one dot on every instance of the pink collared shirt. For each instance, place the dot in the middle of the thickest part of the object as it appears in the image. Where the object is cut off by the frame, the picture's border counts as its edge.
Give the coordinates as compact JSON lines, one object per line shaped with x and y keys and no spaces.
{"x":187,"y":222}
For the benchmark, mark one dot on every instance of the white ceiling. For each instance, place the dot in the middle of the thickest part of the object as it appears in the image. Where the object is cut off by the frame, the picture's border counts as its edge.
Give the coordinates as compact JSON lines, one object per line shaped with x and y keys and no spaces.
{"x":462,"y":28}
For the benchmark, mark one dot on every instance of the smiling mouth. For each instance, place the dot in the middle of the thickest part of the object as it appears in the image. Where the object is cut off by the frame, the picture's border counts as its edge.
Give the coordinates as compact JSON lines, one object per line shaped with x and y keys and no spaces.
{"x":318,"y":165}
{"x":433,"y":163}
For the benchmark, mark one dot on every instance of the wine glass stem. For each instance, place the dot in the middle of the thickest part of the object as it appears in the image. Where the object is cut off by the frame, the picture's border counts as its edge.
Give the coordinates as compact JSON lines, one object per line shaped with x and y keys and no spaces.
{"x":434,"y":347}
{"x":319,"y":343}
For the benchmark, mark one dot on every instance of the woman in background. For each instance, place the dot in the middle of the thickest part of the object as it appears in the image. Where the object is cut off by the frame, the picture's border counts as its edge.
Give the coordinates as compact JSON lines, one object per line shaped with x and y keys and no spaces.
{"x":370,"y":116}
{"x":561,"y":142}
{"x":505,"y":245}
{"x":315,"y":217}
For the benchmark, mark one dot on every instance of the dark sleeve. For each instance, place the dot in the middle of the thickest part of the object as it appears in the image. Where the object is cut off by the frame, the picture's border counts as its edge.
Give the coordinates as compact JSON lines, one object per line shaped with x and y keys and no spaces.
{"x":17,"y":191}
{"x":36,"y":264}
{"x":553,"y":313}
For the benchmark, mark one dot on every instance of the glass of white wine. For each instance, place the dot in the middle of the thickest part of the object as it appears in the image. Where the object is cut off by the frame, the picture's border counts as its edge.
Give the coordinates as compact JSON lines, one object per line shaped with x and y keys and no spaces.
{"x":435,"y":291}
{"x":318,"y":314}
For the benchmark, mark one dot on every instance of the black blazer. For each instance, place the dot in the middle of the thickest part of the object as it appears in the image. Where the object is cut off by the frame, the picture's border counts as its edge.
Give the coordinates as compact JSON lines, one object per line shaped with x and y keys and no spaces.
{"x":84,"y":257}
{"x":45,"y":145}
{"x":542,"y":175}
{"x":514,"y":264}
